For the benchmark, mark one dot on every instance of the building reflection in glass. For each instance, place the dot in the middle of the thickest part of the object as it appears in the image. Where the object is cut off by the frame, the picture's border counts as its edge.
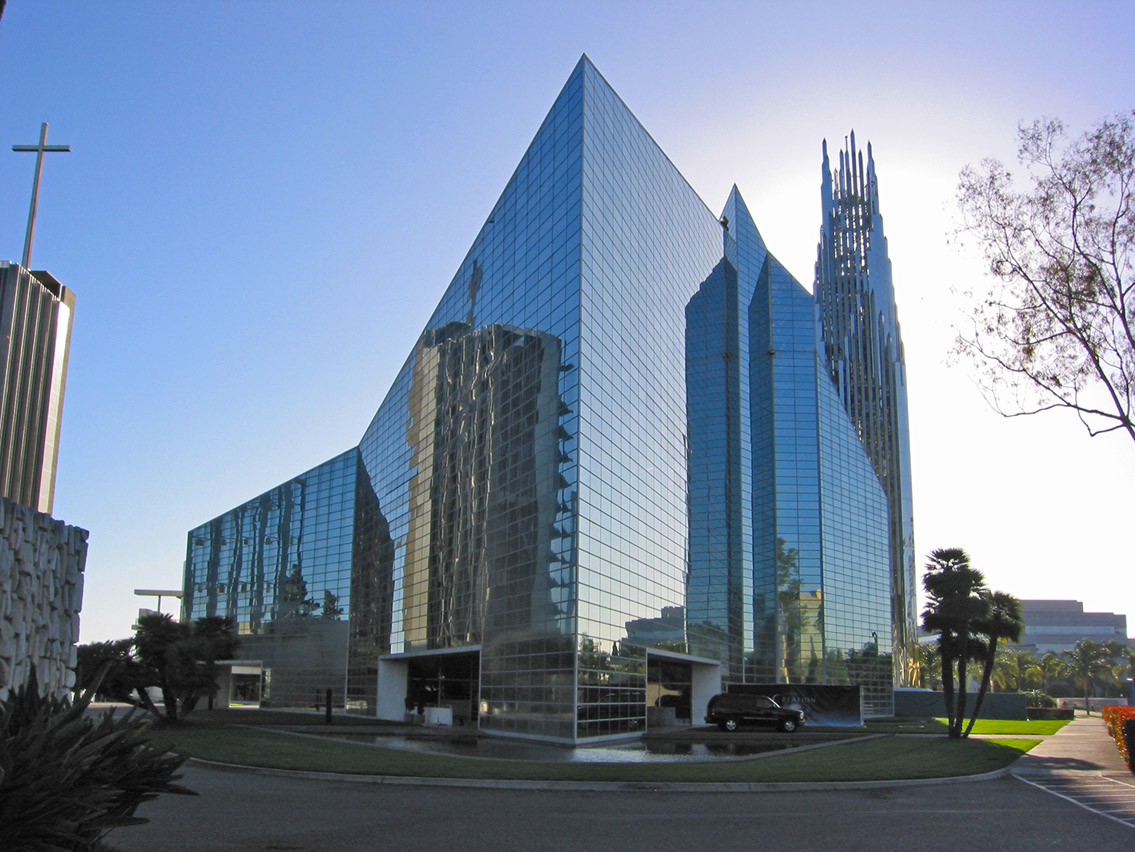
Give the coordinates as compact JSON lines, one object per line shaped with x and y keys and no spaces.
{"x":280,"y":566}
{"x":485,"y":523}
{"x":482,"y":427}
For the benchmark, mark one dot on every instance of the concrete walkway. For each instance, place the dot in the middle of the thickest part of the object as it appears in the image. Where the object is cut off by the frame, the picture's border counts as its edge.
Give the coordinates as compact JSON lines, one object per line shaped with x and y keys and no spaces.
{"x":1083,"y":746}
{"x":1080,"y":764}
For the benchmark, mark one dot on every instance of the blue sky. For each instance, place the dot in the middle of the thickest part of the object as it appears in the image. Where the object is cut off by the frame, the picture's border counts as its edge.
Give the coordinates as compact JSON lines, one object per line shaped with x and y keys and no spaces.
{"x":265,"y":200}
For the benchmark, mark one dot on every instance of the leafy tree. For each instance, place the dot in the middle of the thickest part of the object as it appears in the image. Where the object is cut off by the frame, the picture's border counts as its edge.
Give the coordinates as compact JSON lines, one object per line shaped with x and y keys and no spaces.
{"x":1001,"y":622}
{"x":971,"y":622}
{"x":929,"y":665}
{"x":1057,"y":328}
{"x":1127,"y":665}
{"x":592,"y":656}
{"x":211,"y":638}
{"x":1036,"y":698}
{"x":331,"y":608}
{"x":177,"y":658}
{"x":108,"y":666}
{"x":953,"y":605}
{"x":111,"y":669}
{"x":1048,"y":670}
{"x":294,"y":600}
{"x":790,"y":624}
{"x":1087,"y":661}
{"x":1011,"y":669}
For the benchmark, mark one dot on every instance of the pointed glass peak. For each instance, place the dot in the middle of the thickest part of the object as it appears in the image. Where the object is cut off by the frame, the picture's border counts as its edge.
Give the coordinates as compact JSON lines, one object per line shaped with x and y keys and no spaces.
{"x":737,"y":218}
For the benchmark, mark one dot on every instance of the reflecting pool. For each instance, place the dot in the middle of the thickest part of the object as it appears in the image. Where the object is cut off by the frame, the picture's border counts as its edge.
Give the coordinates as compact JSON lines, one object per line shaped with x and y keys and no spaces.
{"x":638,"y":751}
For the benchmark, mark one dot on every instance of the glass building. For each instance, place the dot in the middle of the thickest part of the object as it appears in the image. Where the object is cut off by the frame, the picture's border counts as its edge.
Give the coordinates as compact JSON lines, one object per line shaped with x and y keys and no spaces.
{"x":864,"y":351}
{"x":613,"y":475}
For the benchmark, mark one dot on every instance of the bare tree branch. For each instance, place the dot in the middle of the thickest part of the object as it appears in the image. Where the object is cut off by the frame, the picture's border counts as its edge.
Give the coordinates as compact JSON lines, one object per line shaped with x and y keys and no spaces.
{"x":1056,"y":328}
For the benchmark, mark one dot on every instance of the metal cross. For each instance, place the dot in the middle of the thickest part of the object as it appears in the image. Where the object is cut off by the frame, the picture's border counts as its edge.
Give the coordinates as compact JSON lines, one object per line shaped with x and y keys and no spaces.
{"x":40,"y":149}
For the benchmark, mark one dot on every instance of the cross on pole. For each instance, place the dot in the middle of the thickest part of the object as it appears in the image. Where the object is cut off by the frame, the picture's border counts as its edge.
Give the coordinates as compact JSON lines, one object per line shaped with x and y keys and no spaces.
{"x":40,"y":149}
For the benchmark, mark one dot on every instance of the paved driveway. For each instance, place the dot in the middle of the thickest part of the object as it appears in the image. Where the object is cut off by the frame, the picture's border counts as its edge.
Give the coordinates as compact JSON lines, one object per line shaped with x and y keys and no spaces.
{"x":239,"y":811}
{"x":1046,"y":808}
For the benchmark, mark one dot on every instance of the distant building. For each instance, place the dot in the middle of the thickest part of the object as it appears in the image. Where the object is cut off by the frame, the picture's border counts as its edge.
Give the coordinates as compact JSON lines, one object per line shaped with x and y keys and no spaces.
{"x":35,"y":337}
{"x":41,"y":559}
{"x":1058,"y":625}
{"x":629,"y":461}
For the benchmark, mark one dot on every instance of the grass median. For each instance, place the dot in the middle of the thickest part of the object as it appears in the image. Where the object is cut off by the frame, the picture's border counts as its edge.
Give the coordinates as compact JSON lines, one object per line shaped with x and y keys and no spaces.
{"x":982,"y":727}
{"x":884,"y":758}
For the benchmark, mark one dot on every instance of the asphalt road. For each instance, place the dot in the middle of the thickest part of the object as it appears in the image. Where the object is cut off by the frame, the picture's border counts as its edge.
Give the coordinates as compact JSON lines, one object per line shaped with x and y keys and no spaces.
{"x":246,"y":812}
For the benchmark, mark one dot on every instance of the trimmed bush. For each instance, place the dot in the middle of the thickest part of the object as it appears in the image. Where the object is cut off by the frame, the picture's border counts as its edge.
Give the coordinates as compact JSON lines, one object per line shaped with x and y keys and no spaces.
{"x":1051,"y":713}
{"x":66,"y":779}
{"x":1037,"y":699}
{"x":1118,"y":718}
{"x":1129,"y":741}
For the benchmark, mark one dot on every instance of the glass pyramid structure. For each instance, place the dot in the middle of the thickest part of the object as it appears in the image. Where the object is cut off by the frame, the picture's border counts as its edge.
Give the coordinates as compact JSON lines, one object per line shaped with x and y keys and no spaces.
{"x":613,"y":477}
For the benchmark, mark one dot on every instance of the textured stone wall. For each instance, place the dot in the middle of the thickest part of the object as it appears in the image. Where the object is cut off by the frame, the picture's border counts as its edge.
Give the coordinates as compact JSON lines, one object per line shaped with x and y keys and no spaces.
{"x":41,"y":593}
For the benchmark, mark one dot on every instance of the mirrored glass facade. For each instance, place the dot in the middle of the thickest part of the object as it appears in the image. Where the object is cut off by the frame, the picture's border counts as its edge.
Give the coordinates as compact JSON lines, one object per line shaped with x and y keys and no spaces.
{"x":864,"y":354}
{"x":789,"y":579}
{"x":304,"y":571}
{"x":580,"y":492}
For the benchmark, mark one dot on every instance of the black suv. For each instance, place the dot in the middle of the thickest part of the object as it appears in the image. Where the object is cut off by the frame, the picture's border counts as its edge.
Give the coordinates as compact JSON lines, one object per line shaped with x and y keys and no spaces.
{"x":728,"y":710}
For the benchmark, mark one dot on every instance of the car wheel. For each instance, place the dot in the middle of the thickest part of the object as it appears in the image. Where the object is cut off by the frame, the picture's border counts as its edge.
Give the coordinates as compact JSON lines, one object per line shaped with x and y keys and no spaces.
{"x":728,"y":725}
{"x":788,"y":726}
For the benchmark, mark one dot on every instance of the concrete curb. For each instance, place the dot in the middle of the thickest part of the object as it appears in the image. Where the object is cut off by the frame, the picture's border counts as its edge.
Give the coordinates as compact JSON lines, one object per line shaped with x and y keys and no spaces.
{"x":604,"y":786}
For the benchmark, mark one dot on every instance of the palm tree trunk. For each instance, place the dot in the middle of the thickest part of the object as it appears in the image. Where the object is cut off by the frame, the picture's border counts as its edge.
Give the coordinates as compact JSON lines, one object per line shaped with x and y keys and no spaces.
{"x":956,"y":728}
{"x":948,"y":689}
{"x":986,"y":674}
{"x":145,"y":702}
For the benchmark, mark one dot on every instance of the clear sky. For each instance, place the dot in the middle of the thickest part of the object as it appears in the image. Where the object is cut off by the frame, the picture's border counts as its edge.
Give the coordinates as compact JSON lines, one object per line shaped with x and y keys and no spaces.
{"x":265,"y":200}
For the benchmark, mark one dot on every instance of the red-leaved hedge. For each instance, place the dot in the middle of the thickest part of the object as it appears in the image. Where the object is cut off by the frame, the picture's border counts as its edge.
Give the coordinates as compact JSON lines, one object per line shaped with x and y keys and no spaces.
{"x":1113,"y":716}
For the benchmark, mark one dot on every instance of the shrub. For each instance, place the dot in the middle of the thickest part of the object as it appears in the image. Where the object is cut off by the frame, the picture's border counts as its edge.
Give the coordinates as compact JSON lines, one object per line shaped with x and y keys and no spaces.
{"x":66,"y":779}
{"x":1114,"y":716}
{"x":1036,"y":698}
{"x":1051,"y":714}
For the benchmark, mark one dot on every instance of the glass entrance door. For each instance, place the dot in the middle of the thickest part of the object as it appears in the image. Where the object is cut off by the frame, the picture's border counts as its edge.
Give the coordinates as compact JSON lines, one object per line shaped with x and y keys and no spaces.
{"x":668,"y":687}
{"x":445,"y":680}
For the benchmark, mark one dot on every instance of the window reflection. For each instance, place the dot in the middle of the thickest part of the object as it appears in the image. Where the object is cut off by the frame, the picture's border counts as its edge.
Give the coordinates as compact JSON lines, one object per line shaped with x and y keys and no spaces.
{"x":483,"y":507}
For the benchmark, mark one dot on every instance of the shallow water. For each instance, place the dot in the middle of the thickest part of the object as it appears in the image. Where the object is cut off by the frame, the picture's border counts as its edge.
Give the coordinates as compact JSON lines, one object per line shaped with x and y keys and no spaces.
{"x":637,"y":751}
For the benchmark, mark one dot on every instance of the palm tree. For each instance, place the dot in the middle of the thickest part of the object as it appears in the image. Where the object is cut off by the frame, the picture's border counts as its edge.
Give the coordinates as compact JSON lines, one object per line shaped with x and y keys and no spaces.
{"x":1000,"y":622}
{"x":211,"y":638}
{"x":1047,"y":670}
{"x":1087,"y":661}
{"x":1128,"y":655}
{"x":180,"y":658}
{"x":953,"y":605}
{"x":1011,"y":670}
{"x":929,"y":665}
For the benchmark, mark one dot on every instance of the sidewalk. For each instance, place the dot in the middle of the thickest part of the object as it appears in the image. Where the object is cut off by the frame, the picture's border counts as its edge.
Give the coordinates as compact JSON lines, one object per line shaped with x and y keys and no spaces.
{"x":1082,"y":747}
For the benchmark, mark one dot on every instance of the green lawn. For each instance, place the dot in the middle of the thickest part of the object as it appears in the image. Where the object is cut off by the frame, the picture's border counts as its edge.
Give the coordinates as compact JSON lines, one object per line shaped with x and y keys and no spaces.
{"x":1000,"y":727}
{"x":877,"y":759}
{"x":984,"y":727}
